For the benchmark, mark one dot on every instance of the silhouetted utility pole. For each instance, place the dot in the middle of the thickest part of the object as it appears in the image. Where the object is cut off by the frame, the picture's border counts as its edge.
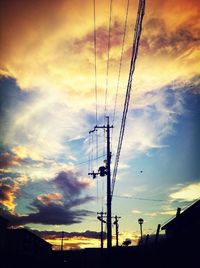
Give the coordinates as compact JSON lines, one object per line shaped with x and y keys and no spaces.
{"x":100,"y":218}
{"x":102,"y":172}
{"x":109,"y":209}
{"x":62,"y":238}
{"x":117,"y":229}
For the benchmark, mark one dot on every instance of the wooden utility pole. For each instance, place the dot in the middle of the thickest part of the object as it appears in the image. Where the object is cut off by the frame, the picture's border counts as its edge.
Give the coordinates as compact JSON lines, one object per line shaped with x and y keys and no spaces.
{"x":109,"y":209}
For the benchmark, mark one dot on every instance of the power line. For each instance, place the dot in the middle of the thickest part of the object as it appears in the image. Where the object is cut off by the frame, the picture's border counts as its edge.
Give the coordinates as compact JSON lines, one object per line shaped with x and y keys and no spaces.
{"x":89,"y":155}
{"x":139,"y":198}
{"x":95,"y":87}
{"x":137,"y":34}
{"x":108,"y":58}
{"x":95,"y":60}
{"x":120,"y":63}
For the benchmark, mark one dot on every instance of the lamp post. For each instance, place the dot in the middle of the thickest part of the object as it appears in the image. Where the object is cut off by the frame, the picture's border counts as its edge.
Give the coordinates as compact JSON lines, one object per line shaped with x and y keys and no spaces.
{"x":140,"y":221}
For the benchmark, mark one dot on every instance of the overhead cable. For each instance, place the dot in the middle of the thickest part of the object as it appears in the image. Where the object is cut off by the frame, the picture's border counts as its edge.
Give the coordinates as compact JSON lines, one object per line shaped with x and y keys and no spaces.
{"x":138,"y":30}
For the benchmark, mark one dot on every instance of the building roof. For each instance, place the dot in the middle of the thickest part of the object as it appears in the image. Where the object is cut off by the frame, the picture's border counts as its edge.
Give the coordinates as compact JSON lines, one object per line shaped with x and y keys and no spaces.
{"x":25,"y":231}
{"x":188,"y":217}
{"x":2,"y":219}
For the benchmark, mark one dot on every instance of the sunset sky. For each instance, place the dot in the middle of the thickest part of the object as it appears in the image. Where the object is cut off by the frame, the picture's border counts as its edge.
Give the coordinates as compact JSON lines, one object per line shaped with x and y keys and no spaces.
{"x":48,"y":106}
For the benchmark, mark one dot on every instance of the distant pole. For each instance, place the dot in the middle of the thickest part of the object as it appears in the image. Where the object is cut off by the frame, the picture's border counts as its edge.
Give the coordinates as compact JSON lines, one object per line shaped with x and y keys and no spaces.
{"x":62,"y":238}
{"x":117,"y":229}
{"x":140,"y":221}
{"x":102,"y":222}
{"x":146,"y":240}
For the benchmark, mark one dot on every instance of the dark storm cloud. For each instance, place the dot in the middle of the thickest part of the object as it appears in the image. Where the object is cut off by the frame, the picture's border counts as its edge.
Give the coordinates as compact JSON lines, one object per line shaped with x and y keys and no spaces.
{"x":53,"y":214}
{"x":56,"y":208}
{"x":69,"y":184}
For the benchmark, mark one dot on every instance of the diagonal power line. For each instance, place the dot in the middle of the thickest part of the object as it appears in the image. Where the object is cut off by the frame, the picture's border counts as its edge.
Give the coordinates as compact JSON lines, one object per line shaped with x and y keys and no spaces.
{"x":138,"y":30}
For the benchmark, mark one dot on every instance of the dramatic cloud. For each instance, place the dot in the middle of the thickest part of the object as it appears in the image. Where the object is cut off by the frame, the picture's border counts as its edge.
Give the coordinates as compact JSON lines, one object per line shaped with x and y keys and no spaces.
{"x":71,"y":240}
{"x":26,"y":152}
{"x":7,"y":195}
{"x":47,"y":104}
{"x":10,"y":190}
{"x":56,"y":40}
{"x":70,"y":184}
{"x":52,"y":208}
{"x":154,"y":113}
{"x":8,"y":159}
{"x":174,"y":43}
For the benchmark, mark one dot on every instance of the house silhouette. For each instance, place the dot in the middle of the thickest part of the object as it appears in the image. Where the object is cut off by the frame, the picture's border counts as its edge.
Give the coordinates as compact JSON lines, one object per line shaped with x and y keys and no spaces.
{"x":185,"y":225}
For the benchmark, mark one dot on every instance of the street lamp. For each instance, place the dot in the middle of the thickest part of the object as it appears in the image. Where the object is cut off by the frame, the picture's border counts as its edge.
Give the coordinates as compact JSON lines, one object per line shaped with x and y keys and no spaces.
{"x":140,"y":221}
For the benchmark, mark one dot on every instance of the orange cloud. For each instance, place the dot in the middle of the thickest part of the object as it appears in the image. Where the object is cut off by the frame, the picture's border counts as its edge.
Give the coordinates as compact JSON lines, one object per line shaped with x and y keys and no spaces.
{"x":7,"y":196}
{"x":55,"y":51}
{"x":74,"y":243}
{"x":9,"y":189}
{"x":50,"y":198}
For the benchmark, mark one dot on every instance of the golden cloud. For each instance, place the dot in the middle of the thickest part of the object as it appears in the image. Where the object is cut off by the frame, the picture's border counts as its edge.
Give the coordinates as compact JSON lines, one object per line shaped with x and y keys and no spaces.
{"x":55,"y":51}
{"x":26,"y":152}
{"x":190,"y":192}
{"x":9,"y":188}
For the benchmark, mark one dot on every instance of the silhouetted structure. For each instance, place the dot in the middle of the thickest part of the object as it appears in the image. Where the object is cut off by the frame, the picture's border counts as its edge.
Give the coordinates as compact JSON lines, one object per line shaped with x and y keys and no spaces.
{"x":22,"y":248}
{"x":3,"y":232}
{"x":24,"y":242}
{"x":185,"y":224}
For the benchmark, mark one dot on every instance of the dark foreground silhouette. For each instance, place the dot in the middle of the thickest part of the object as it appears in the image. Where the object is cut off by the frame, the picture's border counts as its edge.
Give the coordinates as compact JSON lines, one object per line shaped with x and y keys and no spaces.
{"x":169,"y":253}
{"x":180,"y":248}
